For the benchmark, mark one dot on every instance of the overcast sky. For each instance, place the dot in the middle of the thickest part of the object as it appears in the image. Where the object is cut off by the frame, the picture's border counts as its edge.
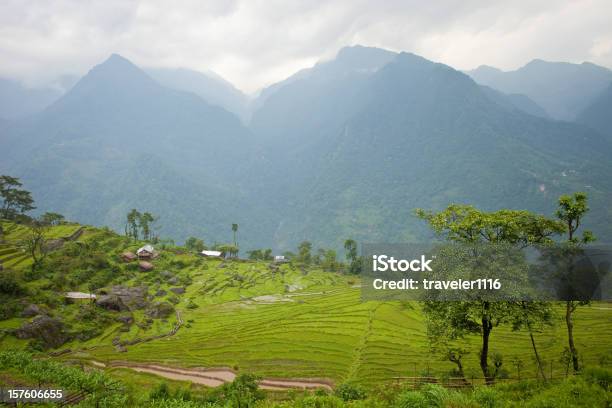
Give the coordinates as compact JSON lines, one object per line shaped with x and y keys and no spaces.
{"x":254,"y":43}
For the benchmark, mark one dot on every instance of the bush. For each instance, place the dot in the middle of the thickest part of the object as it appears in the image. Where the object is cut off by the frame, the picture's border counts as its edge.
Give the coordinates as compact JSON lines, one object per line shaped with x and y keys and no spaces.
{"x":411,"y":399}
{"x":434,"y":394}
{"x":9,"y":285}
{"x":350,"y":392}
{"x":599,"y":376}
{"x":487,"y":397}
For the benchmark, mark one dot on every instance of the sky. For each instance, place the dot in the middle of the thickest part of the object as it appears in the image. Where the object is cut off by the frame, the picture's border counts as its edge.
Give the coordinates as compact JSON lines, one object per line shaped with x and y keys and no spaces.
{"x":254,"y":43}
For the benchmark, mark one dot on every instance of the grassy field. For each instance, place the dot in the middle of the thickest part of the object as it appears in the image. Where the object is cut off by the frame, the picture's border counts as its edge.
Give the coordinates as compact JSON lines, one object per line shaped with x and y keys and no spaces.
{"x":293,"y":322}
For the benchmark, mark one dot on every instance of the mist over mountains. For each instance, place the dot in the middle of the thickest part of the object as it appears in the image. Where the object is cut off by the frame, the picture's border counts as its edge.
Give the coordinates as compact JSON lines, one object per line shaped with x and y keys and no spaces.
{"x":347,"y":148}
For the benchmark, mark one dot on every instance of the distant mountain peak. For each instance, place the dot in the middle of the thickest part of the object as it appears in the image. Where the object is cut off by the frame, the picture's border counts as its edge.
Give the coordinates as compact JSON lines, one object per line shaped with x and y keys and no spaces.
{"x":360,"y":56}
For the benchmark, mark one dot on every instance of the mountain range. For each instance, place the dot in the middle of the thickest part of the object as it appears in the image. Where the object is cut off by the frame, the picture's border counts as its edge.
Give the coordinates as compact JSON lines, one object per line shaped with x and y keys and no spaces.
{"x":347,"y":148}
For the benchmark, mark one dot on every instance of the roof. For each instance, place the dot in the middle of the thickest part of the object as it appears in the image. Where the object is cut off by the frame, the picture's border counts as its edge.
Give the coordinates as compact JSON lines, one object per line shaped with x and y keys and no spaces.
{"x":147,"y":248}
{"x":211,"y":253}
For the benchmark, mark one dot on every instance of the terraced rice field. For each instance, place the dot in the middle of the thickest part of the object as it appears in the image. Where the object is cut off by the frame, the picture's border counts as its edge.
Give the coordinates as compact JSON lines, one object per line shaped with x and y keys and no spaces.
{"x":12,"y":254}
{"x":323,"y":330}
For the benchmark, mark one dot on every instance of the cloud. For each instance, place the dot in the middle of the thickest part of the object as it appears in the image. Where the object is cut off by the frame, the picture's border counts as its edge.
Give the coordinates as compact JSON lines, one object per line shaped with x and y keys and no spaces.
{"x":253,"y":43}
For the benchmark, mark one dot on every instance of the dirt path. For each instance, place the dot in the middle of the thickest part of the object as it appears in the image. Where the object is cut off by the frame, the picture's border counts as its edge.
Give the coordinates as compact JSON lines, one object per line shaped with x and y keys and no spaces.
{"x":215,"y":377}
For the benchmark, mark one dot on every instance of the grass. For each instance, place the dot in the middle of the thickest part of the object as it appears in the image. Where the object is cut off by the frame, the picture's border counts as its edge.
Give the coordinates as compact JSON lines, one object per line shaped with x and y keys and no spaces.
{"x":295,"y":322}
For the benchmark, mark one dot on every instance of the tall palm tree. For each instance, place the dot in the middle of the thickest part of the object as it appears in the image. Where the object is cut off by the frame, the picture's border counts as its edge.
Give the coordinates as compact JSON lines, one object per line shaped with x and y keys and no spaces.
{"x":235,"y":230}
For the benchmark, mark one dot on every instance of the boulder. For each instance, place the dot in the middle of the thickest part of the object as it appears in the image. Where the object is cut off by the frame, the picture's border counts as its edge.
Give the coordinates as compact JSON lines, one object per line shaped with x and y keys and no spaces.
{"x":178,"y":291}
{"x":126,"y":319}
{"x":161,"y":292}
{"x":111,"y":302}
{"x":48,"y":330}
{"x":31,"y":310}
{"x":133,"y":297}
{"x":166,"y":274}
{"x":160,"y":310}
{"x":173,"y":280}
{"x":145,"y":266}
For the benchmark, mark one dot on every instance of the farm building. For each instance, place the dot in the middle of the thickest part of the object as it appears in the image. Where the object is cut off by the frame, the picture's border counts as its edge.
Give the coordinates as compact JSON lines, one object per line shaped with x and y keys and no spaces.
{"x":128,"y":256}
{"x":279,"y":258}
{"x":211,"y":254}
{"x":146,"y":252}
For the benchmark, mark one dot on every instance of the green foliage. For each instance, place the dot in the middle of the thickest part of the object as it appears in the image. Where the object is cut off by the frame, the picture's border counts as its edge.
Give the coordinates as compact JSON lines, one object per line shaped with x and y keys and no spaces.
{"x":242,"y":392}
{"x":195,"y":244}
{"x":350,"y":392}
{"x":15,"y":201}
{"x":304,"y":252}
{"x":411,"y":399}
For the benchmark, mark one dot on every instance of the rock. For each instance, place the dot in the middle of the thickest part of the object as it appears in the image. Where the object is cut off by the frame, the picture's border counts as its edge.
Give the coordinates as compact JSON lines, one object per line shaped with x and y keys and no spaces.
{"x":161,"y":292}
{"x":111,"y":302}
{"x":173,"y":280}
{"x":48,"y":330}
{"x":31,"y":310}
{"x":178,"y":291}
{"x":131,"y":298}
{"x":126,"y":319}
{"x":145,"y":266}
{"x":166,"y":274}
{"x":160,"y":310}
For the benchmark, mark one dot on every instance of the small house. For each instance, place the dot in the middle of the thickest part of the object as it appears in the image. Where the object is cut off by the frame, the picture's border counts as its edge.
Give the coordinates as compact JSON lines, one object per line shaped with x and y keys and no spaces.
{"x":279,"y":258}
{"x":211,"y":254}
{"x":145,"y":266}
{"x":146,"y":252}
{"x":128,"y":256}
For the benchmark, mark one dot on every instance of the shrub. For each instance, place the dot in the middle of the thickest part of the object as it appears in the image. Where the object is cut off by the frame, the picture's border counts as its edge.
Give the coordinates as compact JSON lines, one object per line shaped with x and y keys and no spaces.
{"x":434,"y":394}
{"x":487,"y":397}
{"x":411,"y":399}
{"x":350,"y":392}
{"x":599,"y":376}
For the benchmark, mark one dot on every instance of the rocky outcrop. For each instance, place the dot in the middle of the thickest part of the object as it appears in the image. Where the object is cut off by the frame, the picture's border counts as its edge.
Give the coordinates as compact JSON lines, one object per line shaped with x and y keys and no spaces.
{"x":121,"y":298}
{"x":111,"y":302}
{"x":177,"y":291}
{"x":31,"y":310}
{"x":160,"y":310}
{"x":49,"y":331}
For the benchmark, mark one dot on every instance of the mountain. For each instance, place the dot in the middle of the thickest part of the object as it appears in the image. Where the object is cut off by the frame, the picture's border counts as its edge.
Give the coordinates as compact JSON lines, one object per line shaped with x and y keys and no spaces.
{"x":515,"y":101}
{"x":598,"y":115}
{"x":418,"y":134}
{"x":17,"y":100}
{"x":562,"y":89}
{"x":209,"y":86}
{"x":119,"y":140}
{"x":347,"y":148}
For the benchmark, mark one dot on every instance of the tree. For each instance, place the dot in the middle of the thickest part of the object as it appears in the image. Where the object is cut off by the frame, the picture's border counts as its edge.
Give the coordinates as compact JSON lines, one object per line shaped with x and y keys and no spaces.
{"x":466,"y":224}
{"x":14,"y":200}
{"x":533,"y":315}
{"x":254,"y":254}
{"x":35,"y":243}
{"x":572,"y":209}
{"x":304,"y":252}
{"x":350,"y":252}
{"x":52,"y":218}
{"x":228,"y":249}
{"x":144,"y":221}
{"x":195,"y":244}
{"x":131,"y":227}
{"x":235,"y":230}
{"x":329,"y":260}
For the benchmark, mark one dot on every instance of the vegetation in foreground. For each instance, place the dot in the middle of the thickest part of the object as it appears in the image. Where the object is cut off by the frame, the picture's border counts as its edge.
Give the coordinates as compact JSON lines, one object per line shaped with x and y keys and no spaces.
{"x":257,"y":316}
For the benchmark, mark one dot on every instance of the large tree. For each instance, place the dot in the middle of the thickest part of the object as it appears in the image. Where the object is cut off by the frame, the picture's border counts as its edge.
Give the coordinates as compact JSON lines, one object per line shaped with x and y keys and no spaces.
{"x":466,"y":224}
{"x":350,"y":252}
{"x":14,"y":199}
